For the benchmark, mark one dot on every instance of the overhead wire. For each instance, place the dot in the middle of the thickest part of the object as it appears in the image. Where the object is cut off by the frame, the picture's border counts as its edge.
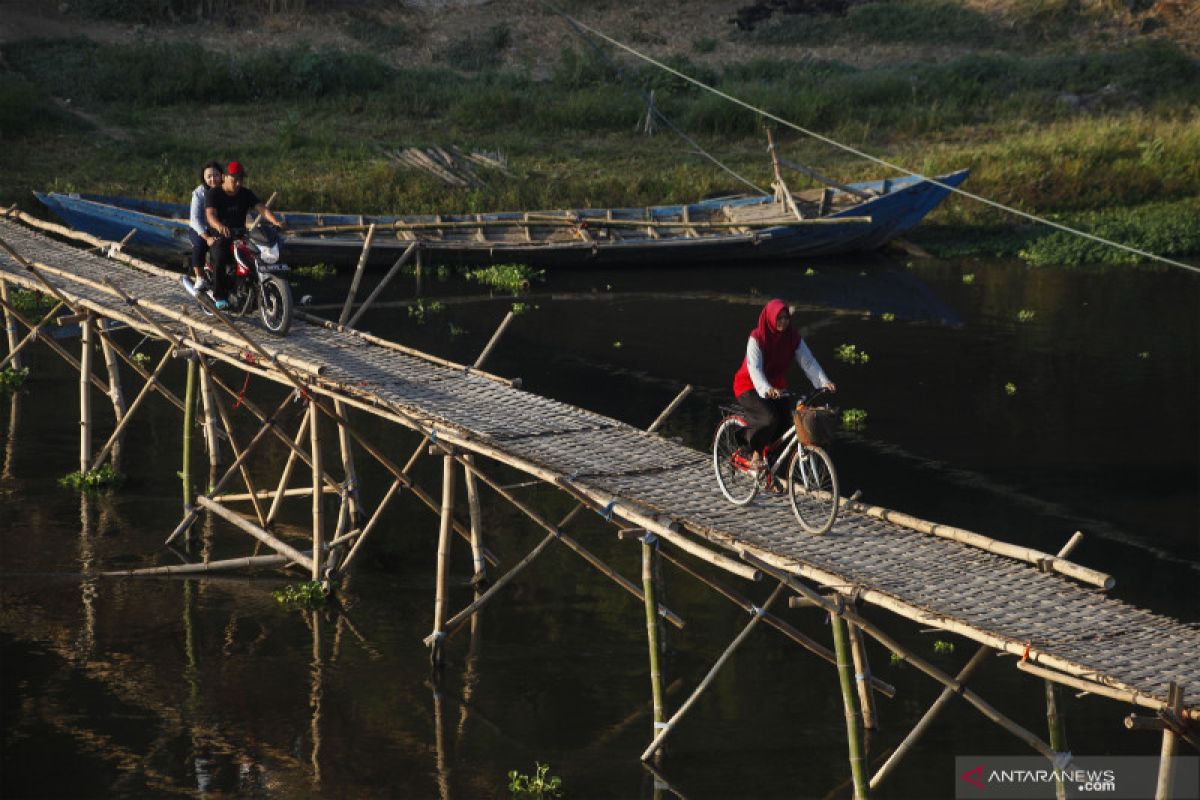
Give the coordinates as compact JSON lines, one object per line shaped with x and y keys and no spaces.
{"x":864,"y":155}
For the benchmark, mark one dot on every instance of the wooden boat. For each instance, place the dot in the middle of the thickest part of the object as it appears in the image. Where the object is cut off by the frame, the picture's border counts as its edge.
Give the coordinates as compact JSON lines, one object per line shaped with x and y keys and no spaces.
{"x":830,"y":221}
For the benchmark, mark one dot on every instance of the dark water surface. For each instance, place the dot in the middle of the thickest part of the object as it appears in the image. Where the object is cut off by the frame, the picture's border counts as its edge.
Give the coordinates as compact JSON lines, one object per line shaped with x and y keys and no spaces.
{"x":162,"y":687}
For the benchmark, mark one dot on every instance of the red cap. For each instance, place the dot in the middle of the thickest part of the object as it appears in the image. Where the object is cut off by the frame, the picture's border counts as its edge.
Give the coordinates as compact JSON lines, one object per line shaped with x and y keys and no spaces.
{"x":236,"y":168}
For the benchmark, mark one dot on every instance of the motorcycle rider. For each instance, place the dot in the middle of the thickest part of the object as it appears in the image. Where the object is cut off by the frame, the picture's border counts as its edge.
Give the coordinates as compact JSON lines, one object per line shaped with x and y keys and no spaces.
{"x":225,"y":208}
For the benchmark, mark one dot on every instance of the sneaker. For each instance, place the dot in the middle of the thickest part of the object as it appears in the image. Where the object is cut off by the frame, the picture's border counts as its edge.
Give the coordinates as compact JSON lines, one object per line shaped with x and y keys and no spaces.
{"x":200,"y":284}
{"x":222,"y":305}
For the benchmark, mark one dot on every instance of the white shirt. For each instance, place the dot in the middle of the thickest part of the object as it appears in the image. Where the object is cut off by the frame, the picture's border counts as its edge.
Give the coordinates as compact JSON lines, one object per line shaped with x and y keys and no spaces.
{"x":196,"y":219}
{"x":804,"y":357}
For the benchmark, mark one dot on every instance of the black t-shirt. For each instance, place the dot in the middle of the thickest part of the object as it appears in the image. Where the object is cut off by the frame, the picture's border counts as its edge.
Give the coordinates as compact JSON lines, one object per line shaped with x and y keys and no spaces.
{"x":231,"y":208}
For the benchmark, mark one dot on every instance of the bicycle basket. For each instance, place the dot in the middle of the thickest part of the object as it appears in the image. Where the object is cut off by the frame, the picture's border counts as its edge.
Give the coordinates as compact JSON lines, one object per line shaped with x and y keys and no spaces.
{"x":815,"y":427}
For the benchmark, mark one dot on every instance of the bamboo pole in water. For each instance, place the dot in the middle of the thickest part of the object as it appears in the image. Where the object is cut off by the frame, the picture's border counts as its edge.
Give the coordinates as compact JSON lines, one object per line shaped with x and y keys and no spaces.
{"x":10,"y":328}
{"x":475,"y":513}
{"x":212,"y":442}
{"x":223,"y":413}
{"x":85,"y":394}
{"x":862,"y":678}
{"x":275,"y":543}
{"x":667,"y":727}
{"x":318,"y":497}
{"x":443,"y":560}
{"x":650,"y":586}
{"x":846,"y":681}
{"x":391,"y":273}
{"x":115,"y":392}
{"x":189,"y":410}
{"x":1166,"y":765}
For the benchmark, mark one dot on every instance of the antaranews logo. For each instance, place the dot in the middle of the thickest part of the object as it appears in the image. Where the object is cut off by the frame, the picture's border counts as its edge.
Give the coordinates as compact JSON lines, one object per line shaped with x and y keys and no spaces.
{"x":1107,"y":777}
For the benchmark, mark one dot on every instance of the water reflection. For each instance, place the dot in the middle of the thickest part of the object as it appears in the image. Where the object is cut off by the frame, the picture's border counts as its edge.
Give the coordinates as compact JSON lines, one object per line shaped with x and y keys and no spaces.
{"x":177,"y":687}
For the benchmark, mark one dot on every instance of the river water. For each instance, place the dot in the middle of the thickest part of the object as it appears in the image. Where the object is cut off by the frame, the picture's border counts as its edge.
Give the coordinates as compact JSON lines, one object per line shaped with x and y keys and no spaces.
{"x":1079,"y":414}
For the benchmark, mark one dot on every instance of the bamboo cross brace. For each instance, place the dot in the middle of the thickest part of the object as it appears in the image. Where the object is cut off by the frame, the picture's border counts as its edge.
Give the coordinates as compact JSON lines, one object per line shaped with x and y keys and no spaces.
{"x":286,"y":476}
{"x":123,"y":422}
{"x":462,"y":616}
{"x":276,"y":544}
{"x":891,"y":644}
{"x":712,"y":673}
{"x":930,"y":715}
{"x":358,"y":272}
{"x":574,"y":545}
{"x":344,"y":566}
{"x":774,"y":621}
{"x":391,"y":273}
{"x":233,"y":446}
{"x":166,"y":393}
{"x":193,"y":512}
{"x":31,"y":336}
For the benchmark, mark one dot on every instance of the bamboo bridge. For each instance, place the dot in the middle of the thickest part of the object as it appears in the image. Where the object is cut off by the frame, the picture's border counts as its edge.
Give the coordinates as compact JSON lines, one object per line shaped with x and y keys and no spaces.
{"x":1052,"y":614}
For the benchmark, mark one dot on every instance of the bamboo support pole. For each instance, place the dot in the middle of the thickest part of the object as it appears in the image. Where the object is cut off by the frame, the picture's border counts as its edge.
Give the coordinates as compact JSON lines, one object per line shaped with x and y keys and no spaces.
{"x":884,"y":688}
{"x":666,"y":729}
{"x":862,"y":678}
{"x":846,"y":681}
{"x":276,"y":544}
{"x":192,"y":512}
{"x":649,"y":586}
{"x":443,"y":561}
{"x":924,"y":666}
{"x":189,"y":410}
{"x":123,"y":421}
{"x":1057,"y":734}
{"x":86,"y":343}
{"x":10,"y":330}
{"x":1166,"y":766}
{"x":570,"y":542}
{"x":475,"y":514}
{"x":927,"y":719}
{"x":387,"y":278}
{"x":344,"y":566}
{"x":492,"y":342}
{"x":212,"y":441}
{"x":116,"y":393}
{"x":318,"y":497}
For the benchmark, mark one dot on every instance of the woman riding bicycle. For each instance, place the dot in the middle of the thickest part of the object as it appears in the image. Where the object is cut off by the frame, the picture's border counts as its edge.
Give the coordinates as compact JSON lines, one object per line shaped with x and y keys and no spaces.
{"x":762,"y":378}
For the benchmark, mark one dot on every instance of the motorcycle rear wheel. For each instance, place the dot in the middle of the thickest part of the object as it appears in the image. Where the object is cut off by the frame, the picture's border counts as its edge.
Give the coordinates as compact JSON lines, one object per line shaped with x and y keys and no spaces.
{"x":275,"y":304}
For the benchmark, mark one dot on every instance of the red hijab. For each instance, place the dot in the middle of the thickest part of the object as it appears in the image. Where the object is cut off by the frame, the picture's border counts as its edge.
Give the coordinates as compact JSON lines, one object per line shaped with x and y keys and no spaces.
{"x":778,"y":348}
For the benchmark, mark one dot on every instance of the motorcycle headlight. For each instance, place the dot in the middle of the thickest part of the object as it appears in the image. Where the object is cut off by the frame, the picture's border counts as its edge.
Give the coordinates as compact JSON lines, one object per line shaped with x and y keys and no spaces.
{"x":269,"y":255}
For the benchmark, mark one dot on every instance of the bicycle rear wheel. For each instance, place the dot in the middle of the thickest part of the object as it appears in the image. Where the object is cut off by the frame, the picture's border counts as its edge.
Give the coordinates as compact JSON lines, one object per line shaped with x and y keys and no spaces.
{"x":738,"y":481}
{"x":813,"y":489}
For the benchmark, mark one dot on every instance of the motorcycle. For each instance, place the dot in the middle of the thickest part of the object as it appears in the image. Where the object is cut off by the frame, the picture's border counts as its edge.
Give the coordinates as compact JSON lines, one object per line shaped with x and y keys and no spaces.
{"x":256,"y":282}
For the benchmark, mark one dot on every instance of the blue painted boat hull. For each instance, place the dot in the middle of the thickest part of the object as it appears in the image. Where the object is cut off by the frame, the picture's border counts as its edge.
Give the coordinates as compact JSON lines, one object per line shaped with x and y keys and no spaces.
{"x":900,"y":205}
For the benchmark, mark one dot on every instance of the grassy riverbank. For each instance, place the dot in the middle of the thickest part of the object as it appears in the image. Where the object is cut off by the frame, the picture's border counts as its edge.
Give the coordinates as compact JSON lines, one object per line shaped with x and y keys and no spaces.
{"x":1106,"y":137}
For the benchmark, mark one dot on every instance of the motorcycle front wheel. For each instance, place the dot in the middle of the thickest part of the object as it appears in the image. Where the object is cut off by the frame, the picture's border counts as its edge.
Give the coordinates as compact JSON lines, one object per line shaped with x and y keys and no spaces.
{"x":275,"y":304}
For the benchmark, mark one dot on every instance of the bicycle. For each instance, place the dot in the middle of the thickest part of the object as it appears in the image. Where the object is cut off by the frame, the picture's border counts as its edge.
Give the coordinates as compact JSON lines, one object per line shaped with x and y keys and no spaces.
{"x":812,"y":484}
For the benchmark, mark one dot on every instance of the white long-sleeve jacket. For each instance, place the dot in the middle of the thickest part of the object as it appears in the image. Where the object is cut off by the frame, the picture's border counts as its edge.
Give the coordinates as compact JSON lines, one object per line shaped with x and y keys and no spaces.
{"x":804,"y":357}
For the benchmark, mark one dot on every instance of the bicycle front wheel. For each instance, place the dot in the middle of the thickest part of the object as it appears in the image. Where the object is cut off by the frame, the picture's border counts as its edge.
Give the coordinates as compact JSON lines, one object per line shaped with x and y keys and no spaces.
{"x":813,"y":489}
{"x":737,"y":479}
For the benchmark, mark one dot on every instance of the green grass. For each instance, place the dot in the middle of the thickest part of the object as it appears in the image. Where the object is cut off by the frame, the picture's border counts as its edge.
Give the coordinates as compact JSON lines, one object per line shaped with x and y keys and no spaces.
{"x":310,"y":123}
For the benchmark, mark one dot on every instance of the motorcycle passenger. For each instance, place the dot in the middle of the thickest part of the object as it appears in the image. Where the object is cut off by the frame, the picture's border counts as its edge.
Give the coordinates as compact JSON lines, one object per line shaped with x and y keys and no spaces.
{"x":762,"y":377}
{"x":198,"y":230}
{"x":226,"y":207}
